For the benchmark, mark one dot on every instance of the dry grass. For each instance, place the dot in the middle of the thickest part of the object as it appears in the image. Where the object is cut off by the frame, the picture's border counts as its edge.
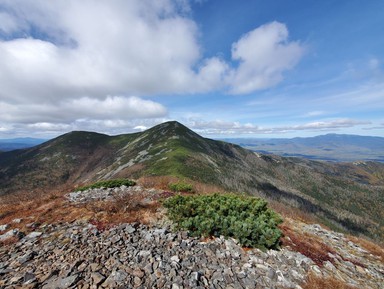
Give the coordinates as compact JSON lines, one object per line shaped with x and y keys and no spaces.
{"x":306,"y":244}
{"x":157,"y":182}
{"x":372,"y":248}
{"x":53,"y":207}
{"x":127,"y":208}
{"x":316,"y":282}
{"x":28,"y":206}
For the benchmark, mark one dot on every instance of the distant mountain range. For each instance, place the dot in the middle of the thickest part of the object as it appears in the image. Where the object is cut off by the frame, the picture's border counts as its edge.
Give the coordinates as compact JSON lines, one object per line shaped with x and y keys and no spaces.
{"x":343,"y":195}
{"x":330,"y":147}
{"x":19,"y":143}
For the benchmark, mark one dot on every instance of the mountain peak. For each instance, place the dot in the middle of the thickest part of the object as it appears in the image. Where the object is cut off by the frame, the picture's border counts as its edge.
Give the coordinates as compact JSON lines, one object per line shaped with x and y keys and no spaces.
{"x":173,"y":129}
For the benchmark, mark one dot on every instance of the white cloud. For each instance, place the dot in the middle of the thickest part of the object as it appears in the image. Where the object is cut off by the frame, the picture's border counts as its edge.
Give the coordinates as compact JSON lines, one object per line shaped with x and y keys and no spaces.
{"x":227,"y":128}
{"x":66,"y":60}
{"x":314,"y":113}
{"x":264,"y":54}
{"x":331,"y":124}
{"x":112,"y":107}
{"x":94,"y":48}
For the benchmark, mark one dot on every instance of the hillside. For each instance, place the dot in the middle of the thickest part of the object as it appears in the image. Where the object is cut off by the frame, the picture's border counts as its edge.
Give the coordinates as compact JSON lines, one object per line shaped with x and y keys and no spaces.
{"x":345,"y":196}
{"x":330,"y":147}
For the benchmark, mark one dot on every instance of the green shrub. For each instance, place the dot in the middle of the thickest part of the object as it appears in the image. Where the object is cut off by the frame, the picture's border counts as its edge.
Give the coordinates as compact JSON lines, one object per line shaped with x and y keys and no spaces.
{"x":108,"y":184}
{"x":181,"y":187}
{"x":246,"y":219}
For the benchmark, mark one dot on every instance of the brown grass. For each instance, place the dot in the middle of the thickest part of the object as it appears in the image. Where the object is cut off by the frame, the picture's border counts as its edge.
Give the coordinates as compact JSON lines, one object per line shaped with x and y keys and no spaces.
{"x":306,"y":244}
{"x":157,"y":182}
{"x":53,"y":207}
{"x":316,"y":282}
{"x":128,"y":208}
{"x":369,"y":246}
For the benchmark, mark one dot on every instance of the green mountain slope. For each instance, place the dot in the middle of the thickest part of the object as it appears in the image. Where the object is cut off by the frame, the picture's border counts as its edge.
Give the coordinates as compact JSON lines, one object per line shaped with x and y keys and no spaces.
{"x":349,"y":195}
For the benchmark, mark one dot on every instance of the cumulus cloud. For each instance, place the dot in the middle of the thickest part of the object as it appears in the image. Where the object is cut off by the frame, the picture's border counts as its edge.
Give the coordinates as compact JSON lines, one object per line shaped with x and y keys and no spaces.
{"x":65,"y":60}
{"x":133,"y":47}
{"x":264,"y":54}
{"x":112,"y":107}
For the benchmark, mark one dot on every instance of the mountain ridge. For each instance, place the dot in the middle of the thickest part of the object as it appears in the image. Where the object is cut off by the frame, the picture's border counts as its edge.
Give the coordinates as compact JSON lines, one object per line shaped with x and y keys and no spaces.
{"x":343,"y":195}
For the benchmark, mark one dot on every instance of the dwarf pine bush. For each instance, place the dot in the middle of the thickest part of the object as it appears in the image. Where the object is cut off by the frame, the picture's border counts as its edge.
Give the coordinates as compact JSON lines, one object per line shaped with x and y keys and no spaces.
{"x":108,"y":184}
{"x":181,"y":187}
{"x":246,"y":219}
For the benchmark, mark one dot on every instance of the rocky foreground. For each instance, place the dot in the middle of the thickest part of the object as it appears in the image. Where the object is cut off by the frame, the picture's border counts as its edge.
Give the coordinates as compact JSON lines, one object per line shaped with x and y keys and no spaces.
{"x":91,"y":255}
{"x":135,"y":256}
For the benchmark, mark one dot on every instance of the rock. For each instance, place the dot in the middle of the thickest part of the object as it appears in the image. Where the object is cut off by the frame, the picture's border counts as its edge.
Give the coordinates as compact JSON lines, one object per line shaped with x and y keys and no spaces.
{"x":33,"y":235}
{"x":16,"y":279}
{"x":129,"y":229}
{"x":272,"y":274}
{"x":4,"y":227}
{"x":116,"y":277}
{"x":29,"y":278}
{"x":122,"y":257}
{"x":97,"y":278}
{"x":9,"y":234}
{"x":175,"y":259}
{"x":26,"y":257}
{"x":138,"y":273}
{"x":328,"y":265}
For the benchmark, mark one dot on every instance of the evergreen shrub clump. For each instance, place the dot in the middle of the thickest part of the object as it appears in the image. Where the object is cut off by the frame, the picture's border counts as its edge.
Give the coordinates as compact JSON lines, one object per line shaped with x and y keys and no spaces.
{"x":181,"y":187}
{"x":108,"y":184}
{"x":246,"y":219}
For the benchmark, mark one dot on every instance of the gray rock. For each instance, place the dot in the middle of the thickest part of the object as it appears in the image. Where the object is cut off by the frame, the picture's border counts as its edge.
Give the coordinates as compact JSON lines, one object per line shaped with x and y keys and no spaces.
{"x":272,"y":274}
{"x":29,"y":278}
{"x":4,"y":227}
{"x":97,"y":278}
{"x":33,"y":235}
{"x":9,"y":234}
{"x":26,"y":257}
{"x":122,"y":257}
{"x":129,"y":229}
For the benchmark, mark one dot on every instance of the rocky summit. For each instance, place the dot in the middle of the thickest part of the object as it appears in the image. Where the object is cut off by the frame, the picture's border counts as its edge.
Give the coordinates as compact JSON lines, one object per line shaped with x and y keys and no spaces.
{"x":83,"y":254}
{"x":137,"y":256}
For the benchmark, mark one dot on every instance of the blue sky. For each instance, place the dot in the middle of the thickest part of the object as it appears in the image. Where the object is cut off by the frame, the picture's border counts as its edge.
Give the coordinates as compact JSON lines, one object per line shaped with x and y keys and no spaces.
{"x":224,"y":68}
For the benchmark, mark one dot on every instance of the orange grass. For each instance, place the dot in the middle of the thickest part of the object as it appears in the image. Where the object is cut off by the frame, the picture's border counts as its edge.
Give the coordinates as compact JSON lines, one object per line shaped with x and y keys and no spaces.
{"x":372,"y":248}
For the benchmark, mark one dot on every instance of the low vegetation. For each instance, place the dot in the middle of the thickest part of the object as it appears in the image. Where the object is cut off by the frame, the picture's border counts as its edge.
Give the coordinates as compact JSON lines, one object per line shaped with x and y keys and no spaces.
{"x":108,"y":184}
{"x":181,"y":187}
{"x":244,"y":218}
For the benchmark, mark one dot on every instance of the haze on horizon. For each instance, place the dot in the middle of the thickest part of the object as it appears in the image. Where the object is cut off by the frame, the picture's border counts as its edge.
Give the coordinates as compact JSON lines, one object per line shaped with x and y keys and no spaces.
{"x":223,"y":68}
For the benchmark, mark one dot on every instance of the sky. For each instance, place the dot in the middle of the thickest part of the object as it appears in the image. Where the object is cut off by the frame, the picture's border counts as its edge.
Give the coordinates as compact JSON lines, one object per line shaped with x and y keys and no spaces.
{"x":224,"y":68}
